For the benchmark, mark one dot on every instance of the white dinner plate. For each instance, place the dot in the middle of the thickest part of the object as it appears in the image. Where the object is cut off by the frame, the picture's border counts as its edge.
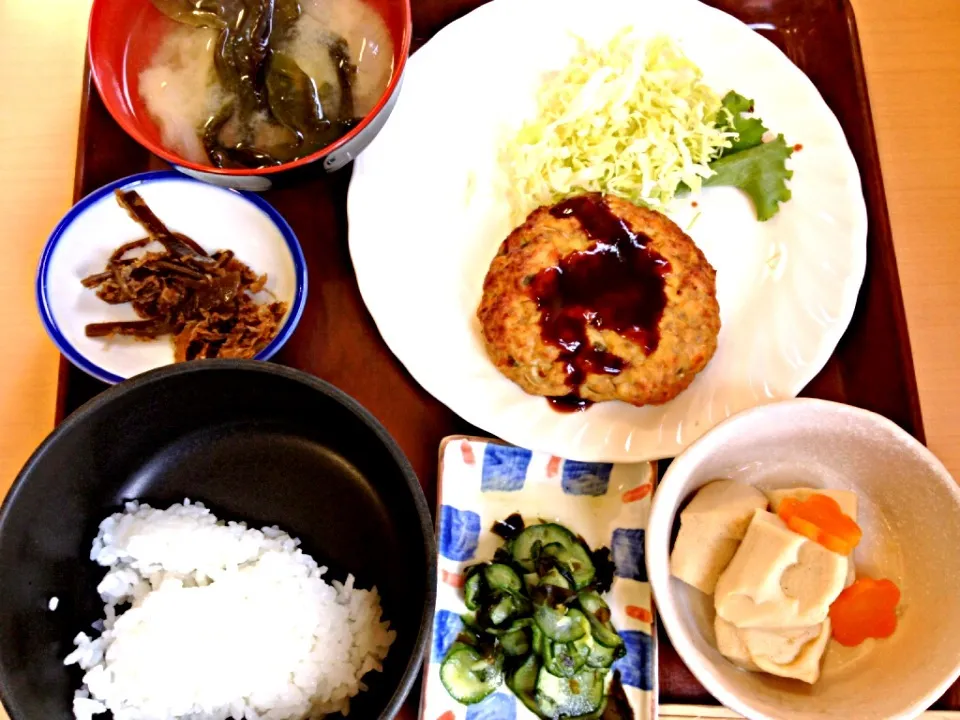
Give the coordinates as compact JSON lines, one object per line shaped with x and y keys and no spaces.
{"x":427,"y":215}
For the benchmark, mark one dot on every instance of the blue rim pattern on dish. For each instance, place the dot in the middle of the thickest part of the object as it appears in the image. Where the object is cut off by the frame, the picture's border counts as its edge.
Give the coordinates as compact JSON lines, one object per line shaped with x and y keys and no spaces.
{"x":479,"y":478}
{"x":74,"y":356}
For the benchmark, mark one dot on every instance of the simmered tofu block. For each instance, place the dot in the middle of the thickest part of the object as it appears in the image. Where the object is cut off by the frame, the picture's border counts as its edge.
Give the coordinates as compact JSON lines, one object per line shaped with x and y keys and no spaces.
{"x":778,"y":579}
{"x":791,"y":653}
{"x":711,"y":528}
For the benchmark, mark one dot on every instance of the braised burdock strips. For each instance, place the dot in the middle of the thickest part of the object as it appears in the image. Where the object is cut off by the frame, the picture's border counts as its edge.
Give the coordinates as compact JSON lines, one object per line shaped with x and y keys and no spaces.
{"x":205,"y":301}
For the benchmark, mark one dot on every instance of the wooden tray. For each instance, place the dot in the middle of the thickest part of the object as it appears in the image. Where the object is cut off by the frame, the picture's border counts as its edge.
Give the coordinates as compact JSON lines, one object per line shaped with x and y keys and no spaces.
{"x":337,"y":340}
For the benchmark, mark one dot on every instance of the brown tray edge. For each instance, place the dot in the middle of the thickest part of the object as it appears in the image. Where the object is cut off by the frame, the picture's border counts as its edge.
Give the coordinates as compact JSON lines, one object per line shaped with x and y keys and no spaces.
{"x":885,"y":231}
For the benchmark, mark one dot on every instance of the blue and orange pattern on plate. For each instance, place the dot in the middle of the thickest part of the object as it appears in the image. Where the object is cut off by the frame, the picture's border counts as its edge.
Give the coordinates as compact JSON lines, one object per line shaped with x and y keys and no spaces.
{"x":482,"y":481}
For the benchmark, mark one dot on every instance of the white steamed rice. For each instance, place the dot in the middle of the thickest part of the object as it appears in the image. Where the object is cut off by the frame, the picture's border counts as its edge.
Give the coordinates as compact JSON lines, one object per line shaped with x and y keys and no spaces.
{"x":223,"y":622}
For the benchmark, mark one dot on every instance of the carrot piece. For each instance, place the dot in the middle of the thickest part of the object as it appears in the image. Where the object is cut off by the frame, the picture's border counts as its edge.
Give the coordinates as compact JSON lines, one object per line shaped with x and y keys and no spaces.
{"x":820,"y":519}
{"x":866,"y":609}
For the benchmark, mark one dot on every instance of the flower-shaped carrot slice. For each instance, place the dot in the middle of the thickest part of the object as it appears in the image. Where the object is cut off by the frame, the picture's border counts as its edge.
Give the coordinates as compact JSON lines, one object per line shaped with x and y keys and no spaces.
{"x":820,"y":518}
{"x":866,"y":609}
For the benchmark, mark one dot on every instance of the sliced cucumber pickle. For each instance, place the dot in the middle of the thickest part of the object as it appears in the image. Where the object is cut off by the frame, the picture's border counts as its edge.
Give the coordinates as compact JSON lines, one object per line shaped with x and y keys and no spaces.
{"x":516,"y":642}
{"x":591,"y":602}
{"x":468,"y":676}
{"x":470,"y":624}
{"x":523,"y":682}
{"x":472,"y":589}
{"x":574,"y":696}
{"x":559,"y":624}
{"x":536,"y":623}
{"x":564,"y":659}
{"x":522,"y":605}
{"x":604,"y":634}
{"x":497,"y":615}
{"x":601,"y":656}
{"x":555,"y":577}
{"x":537,"y":642}
{"x":575,"y":558}
{"x":597,"y":655}
{"x":502,"y":578}
{"x":546,"y":707}
{"x":596,"y":714}
{"x":524,"y":547}
{"x":599,"y":616}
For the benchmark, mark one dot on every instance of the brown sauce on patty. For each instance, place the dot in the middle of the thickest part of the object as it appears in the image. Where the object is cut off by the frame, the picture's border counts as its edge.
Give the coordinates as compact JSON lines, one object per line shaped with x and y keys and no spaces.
{"x":615,"y":284}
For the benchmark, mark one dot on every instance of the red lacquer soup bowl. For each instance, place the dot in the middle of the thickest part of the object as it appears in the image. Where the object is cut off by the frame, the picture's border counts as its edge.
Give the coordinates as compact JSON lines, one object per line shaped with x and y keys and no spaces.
{"x":124,"y":37}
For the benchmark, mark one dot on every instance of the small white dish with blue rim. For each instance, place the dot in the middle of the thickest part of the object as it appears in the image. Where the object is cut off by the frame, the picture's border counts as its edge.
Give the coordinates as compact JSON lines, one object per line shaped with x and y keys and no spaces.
{"x":482,"y":481}
{"x":215,"y":217}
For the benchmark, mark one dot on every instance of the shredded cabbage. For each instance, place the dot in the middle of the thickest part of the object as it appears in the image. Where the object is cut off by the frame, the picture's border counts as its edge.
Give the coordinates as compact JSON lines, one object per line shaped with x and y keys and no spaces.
{"x":627,"y":119}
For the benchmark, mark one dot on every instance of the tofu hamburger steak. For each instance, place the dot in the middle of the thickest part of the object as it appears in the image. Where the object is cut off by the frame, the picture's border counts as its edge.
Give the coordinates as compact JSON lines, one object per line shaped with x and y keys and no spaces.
{"x":596,"y":299}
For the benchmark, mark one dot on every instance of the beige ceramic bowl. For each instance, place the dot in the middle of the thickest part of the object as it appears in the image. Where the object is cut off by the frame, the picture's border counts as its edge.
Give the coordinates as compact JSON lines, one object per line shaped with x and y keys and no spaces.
{"x":910,"y":515}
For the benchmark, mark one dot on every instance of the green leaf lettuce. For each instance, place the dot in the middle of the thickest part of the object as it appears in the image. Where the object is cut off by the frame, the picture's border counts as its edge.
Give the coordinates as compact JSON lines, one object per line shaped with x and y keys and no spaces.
{"x":758,"y":168}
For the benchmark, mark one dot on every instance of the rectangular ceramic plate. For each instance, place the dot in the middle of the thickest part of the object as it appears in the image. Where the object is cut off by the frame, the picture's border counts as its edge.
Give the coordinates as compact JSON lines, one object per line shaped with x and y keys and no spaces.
{"x":483,"y":481}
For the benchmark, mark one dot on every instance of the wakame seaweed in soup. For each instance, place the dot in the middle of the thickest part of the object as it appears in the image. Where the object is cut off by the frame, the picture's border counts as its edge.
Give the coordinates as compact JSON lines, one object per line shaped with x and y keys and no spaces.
{"x":256,"y":83}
